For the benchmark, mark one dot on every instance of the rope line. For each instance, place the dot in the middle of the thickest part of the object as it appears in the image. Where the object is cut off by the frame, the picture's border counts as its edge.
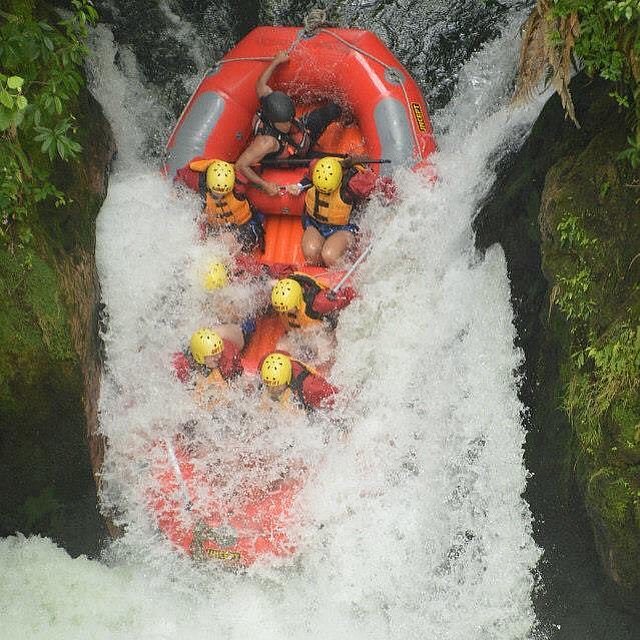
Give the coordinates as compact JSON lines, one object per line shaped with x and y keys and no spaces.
{"x":312,"y":23}
{"x":387,"y":67}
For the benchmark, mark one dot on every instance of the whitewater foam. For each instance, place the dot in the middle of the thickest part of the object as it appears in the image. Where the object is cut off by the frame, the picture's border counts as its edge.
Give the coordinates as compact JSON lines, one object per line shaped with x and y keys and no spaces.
{"x":412,"y":522}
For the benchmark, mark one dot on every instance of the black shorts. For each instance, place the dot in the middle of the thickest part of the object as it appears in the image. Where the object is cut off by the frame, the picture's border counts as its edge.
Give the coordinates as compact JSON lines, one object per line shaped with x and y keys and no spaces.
{"x":318,"y":120}
{"x":250,"y":235}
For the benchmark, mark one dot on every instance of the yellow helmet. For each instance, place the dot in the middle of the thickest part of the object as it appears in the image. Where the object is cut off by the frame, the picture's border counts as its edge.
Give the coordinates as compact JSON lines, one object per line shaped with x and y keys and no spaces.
{"x":205,"y":342}
{"x":221,"y":176}
{"x":327,"y":175}
{"x":215,"y":277}
{"x":276,"y":370}
{"x":286,"y":295}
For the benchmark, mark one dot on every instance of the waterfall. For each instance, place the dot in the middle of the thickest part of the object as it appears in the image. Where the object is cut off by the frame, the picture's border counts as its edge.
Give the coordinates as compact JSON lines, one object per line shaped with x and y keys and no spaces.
{"x":412,"y":522}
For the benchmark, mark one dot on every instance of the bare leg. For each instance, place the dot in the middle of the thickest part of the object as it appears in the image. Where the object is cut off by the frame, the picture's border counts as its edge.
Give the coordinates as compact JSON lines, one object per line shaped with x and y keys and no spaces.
{"x":335,"y":247}
{"x":312,"y":242}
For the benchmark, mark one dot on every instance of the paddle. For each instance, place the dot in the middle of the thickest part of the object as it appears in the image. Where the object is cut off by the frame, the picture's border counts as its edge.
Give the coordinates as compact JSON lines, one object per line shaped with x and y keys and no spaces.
{"x":305,"y":162}
{"x":331,"y":294}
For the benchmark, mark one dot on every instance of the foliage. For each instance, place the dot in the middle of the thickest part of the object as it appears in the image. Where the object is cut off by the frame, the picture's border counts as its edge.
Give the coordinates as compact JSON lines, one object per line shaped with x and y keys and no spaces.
{"x":39,"y":81}
{"x":609,"y":46}
{"x":603,"y":34}
{"x":546,"y":52}
{"x":604,"y":375}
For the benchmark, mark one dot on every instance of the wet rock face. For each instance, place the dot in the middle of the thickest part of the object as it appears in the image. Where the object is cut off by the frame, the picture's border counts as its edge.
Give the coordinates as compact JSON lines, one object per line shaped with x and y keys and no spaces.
{"x":562,"y":169}
{"x":175,"y":42}
{"x":50,"y":360}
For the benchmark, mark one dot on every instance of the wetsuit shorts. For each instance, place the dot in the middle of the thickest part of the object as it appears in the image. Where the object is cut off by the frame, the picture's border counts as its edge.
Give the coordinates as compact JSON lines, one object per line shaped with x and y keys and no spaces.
{"x":250,"y":235}
{"x":248,"y":327}
{"x":326,"y":230}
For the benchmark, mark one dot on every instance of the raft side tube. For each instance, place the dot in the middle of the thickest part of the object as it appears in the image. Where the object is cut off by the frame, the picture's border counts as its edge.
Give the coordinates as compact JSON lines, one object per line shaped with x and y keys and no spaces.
{"x":190,"y":136}
{"x":394,"y":132}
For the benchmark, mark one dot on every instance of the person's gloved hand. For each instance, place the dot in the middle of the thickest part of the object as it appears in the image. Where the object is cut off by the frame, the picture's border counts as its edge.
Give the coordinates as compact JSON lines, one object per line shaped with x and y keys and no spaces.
{"x":343,"y":296}
{"x":346,"y":295}
{"x":387,"y":189}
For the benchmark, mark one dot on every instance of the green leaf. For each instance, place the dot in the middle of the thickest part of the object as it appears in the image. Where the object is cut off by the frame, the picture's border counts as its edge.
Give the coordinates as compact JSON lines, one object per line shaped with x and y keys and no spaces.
{"x":5,"y":120}
{"x":6,"y":99}
{"x":24,"y":162}
{"x":21,"y":102}
{"x":18,"y":118}
{"x":15,"y":82}
{"x":47,"y":144}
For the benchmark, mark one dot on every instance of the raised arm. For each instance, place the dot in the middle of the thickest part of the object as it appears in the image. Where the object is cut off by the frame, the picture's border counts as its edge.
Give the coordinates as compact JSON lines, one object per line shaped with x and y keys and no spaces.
{"x":262,"y":88}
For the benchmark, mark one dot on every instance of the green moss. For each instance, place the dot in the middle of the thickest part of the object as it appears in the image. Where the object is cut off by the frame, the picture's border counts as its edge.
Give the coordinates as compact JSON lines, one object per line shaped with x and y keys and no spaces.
{"x":43,"y":506}
{"x":614,"y":499}
{"x":591,"y":230}
{"x":33,"y":319}
{"x":625,"y":423}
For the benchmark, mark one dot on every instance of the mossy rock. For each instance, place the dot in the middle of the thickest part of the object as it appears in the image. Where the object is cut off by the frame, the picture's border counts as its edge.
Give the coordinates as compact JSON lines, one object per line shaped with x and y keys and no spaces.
{"x":613,"y":499}
{"x":562,"y":171}
{"x":50,"y":357}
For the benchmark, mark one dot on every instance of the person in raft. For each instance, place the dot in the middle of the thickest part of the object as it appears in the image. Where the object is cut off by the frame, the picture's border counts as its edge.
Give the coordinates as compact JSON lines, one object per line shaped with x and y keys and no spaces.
{"x":277,"y":133}
{"x":249,"y":296}
{"x":226,"y":210}
{"x":302,"y":301}
{"x":336,"y":185}
{"x":212,"y":358}
{"x":288,"y":380}
{"x":243,"y":268}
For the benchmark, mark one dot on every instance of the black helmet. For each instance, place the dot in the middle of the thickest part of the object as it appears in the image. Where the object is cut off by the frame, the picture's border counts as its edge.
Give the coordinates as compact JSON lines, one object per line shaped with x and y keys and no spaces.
{"x":278,"y":107}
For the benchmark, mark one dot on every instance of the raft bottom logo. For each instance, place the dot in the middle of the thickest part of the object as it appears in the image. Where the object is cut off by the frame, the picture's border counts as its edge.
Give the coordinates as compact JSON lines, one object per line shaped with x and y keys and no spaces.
{"x":419,"y":116}
{"x":223,"y":554}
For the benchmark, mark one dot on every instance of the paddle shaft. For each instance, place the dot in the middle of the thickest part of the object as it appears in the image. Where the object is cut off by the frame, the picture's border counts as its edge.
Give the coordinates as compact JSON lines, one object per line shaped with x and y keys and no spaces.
{"x":305,"y":162}
{"x":178,"y":473}
{"x":353,"y":267}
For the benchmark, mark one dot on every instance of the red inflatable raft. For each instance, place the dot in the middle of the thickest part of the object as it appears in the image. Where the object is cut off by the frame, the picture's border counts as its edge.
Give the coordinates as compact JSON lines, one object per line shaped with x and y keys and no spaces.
{"x":387,"y":119}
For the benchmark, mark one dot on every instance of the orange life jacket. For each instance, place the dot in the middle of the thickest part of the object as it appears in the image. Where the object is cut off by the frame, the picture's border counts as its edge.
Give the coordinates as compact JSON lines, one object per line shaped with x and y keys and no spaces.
{"x":327,"y":208}
{"x":286,"y":400}
{"x":226,"y":210}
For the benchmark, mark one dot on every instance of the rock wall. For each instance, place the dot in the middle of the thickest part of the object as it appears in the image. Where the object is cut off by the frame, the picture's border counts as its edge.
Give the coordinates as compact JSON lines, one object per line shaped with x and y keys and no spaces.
{"x":562,"y":169}
{"x":50,"y":453}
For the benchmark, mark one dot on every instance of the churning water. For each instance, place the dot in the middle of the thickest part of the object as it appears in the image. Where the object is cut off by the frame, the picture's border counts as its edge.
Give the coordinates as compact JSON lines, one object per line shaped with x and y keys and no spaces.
{"x":411,"y":522}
